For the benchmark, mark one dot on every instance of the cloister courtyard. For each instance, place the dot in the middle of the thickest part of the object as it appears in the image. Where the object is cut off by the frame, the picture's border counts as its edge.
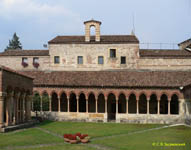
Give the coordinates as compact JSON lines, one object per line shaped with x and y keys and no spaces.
{"x":48,"y":135}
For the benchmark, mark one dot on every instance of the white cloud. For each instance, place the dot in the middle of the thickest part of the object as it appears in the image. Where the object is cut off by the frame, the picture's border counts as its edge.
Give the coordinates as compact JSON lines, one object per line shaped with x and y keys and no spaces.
{"x":10,"y":9}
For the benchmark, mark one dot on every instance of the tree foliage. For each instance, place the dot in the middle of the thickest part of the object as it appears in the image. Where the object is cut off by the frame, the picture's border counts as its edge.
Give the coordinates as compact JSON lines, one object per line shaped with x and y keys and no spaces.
{"x":14,"y":44}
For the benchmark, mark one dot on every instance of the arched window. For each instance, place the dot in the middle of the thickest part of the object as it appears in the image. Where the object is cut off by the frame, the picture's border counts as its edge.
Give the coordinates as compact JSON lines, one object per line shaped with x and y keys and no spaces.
{"x":142,"y":104}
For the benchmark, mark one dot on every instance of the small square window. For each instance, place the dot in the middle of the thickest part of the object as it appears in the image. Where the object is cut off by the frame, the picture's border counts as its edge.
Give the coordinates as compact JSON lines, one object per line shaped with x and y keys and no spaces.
{"x":56,"y":59}
{"x":25,"y":60}
{"x":100,"y":60}
{"x":123,"y":60}
{"x":80,"y":59}
{"x":112,"y":53}
{"x":35,"y":60}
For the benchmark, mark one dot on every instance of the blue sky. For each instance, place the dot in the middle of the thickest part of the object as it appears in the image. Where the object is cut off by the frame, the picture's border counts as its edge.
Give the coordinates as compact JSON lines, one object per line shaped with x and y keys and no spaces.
{"x":36,"y":22}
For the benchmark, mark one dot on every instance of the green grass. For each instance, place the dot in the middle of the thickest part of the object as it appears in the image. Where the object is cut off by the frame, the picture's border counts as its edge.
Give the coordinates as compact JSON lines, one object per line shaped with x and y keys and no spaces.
{"x":123,"y":137}
{"x":146,"y":140}
{"x":94,"y":129}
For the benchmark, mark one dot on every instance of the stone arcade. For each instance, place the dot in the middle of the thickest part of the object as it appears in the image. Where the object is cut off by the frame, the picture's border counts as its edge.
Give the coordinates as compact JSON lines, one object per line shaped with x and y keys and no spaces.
{"x":108,"y":77}
{"x":15,"y":97}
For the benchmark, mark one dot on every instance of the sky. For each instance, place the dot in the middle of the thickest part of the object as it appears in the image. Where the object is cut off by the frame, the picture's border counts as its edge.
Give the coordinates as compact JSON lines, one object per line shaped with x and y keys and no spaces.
{"x":38,"y":21}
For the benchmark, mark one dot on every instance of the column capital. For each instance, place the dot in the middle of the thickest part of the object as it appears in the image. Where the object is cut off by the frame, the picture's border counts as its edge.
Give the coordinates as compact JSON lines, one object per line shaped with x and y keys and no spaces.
{"x":3,"y":94}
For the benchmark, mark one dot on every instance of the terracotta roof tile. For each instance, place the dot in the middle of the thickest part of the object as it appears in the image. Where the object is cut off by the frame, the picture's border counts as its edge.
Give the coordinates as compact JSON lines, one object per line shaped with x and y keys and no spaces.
{"x":105,"y":39}
{"x":25,"y":53}
{"x":173,"y":79}
{"x":165,"y":53}
{"x":16,"y":72}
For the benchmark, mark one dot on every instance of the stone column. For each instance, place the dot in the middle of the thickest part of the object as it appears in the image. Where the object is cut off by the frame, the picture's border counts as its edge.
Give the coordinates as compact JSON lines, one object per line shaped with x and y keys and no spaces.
{"x":22,"y":110}
{"x":117,"y":106}
{"x":147,"y":106}
{"x":16,"y":108}
{"x":7,"y":109}
{"x":68,"y":104}
{"x":158,"y":107}
{"x":127,"y":111}
{"x":40,"y":103}
{"x":29,"y":106}
{"x":96,"y":104}
{"x":137,"y":106}
{"x":87,"y":106}
{"x":105,"y":106}
{"x":168,"y":107}
{"x":58,"y":103}
{"x":77,"y":99}
{"x":2,"y":96}
{"x":50,"y":104}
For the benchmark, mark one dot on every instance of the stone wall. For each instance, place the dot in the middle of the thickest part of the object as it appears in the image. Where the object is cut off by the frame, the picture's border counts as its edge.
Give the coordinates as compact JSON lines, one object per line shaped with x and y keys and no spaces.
{"x":164,"y":64}
{"x":12,"y":80}
{"x":69,"y":52}
{"x":14,"y":62}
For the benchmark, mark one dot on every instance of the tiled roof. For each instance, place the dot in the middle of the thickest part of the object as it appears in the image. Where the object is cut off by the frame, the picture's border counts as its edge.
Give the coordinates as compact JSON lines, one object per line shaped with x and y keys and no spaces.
{"x":92,"y":21}
{"x":15,"y":72}
{"x":128,"y":78}
{"x":105,"y":39}
{"x":188,"y":40}
{"x":165,"y":53}
{"x":25,"y":53}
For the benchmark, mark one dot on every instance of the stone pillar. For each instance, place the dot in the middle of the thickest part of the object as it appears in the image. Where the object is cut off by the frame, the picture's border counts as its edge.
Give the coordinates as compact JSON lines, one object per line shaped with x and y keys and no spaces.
{"x":147,"y":107}
{"x":29,"y":106}
{"x":16,"y":108}
{"x":50,"y":104}
{"x":68,"y":104}
{"x":117,"y":106}
{"x":127,"y":111}
{"x":22,"y":110}
{"x":158,"y":107}
{"x":58,"y":103}
{"x":137,"y":106}
{"x":87,"y":106}
{"x":168,"y":107}
{"x":2,"y":96}
{"x":77,"y":99}
{"x":7,"y":109}
{"x":40,"y":103}
{"x":96,"y":104}
{"x":105,"y":106}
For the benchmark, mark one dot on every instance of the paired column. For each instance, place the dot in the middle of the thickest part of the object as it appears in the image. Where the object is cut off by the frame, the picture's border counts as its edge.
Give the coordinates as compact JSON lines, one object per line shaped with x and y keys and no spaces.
{"x":86,"y":105}
{"x":168,"y":107}
{"x":117,"y":106}
{"x":2,"y":96}
{"x":147,"y":106}
{"x":58,"y":103}
{"x":127,"y":106}
{"x":77,"y":98}
{"x":50,"y":104}
{"x":158,"y":104}
{"x":137,"y":101}
{"x":68,"y":104}
{"x":105,"y":106}
{"x":96,"y":104}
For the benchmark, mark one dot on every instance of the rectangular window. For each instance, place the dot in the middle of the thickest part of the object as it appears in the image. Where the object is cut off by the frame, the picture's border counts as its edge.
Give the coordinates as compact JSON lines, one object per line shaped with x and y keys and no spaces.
{"x":35,"y":60}
{"x":56,"y":59}
{"x":123,"y":60}
{"x":100,"y":60}
{"x":112,"y":53}
{"x":25,"y":60}
{"x":80,"y":59}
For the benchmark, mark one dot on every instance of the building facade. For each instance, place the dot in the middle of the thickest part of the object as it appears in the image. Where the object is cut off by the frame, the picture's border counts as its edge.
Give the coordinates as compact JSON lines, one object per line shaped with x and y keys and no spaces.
{"x":108,"y":77}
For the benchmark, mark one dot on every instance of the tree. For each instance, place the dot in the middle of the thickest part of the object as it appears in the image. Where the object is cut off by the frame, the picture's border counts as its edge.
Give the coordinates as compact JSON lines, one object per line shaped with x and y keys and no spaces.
{"x":14,"y":44}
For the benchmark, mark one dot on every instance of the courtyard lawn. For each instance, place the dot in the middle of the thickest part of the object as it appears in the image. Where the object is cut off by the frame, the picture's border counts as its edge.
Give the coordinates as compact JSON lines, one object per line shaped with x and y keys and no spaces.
{"x":94,"y":129}
{"x":47,"y":136}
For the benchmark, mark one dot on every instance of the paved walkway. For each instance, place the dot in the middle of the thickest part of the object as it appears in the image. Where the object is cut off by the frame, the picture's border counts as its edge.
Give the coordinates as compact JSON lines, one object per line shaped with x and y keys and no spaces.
{"x":96,"y":146}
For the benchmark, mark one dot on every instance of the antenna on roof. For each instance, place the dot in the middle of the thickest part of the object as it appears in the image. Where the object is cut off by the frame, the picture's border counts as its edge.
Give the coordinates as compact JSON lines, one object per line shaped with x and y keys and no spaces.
{"x":45,"y":45}
{"x":133,"y":31}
